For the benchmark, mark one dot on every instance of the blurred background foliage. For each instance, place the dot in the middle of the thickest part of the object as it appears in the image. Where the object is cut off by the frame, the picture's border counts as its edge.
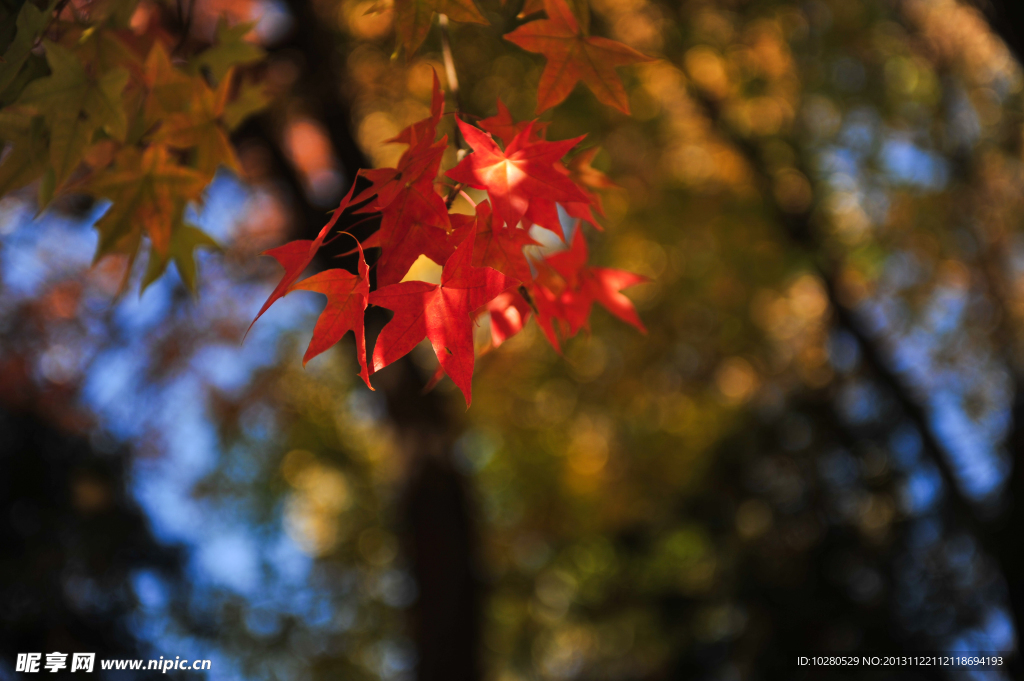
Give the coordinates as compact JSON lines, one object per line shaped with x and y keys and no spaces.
{"x":816,"y":448}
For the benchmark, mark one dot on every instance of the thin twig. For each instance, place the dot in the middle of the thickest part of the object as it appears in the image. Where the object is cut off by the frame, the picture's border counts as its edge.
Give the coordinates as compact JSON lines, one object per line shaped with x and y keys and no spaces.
{"x":449,"y":62}
{"x":453,"y":87}
{"x":453,"y":81}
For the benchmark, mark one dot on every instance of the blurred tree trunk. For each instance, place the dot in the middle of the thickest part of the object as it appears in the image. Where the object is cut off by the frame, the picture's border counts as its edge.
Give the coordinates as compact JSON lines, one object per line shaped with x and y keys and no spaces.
{"x":438,"y":530}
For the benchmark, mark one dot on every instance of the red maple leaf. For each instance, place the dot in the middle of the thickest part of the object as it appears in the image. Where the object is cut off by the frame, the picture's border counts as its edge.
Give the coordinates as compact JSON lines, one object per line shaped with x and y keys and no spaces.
{"x":442,"y":313}
{"x":588,"y":179}
{"x":425,"y":130}
{"x":573,"y":56}
{"x":504,"y":128}
{"x":539,"y":212}
{"x":544,"y":213}
{"x":501,"y":247}
{"x":347,"y":297}
{"x":414,"y":218}
{"x":495,"y":245}
{"x":418,"y":165}
{"x":295,"y":256}
{"x":584,"y":285}
{"x":524,"y":172}
{"x":550,"y":311}
{"x":509,"y":313}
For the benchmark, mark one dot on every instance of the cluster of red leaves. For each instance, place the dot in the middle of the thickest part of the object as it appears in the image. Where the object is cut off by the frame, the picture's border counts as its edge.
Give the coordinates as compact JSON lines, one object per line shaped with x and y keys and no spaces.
{"x":485,"y":268}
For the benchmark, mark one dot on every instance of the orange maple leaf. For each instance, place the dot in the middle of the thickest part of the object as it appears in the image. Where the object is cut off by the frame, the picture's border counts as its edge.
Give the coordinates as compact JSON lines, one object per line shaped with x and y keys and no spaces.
{"x":149,"y":191}
{"x":573,"y":57}
{"x":413,"y":18}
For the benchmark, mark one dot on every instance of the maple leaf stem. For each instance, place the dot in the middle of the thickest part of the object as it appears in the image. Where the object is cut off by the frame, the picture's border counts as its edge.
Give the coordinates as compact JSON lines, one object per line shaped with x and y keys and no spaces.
{"x":525,"y":293}
{"x":453,"y":194}
{"x":349,"y":234}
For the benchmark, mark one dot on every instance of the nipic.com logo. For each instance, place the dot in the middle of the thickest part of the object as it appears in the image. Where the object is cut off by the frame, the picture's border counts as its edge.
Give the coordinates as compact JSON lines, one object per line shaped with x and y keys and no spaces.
{"x":33,"y":663}
{"x":55,"y":662}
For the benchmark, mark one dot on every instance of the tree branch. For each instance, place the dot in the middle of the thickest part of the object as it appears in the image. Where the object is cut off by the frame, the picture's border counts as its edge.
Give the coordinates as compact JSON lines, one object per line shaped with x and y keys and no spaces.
{"x":800,"y":231}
